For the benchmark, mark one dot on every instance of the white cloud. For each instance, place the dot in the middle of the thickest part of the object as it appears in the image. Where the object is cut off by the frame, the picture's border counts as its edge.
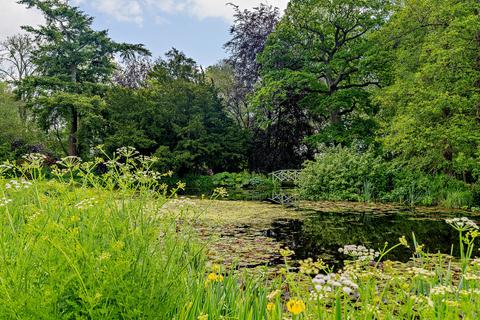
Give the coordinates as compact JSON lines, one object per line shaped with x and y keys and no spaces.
{"x":14,"y":15}
{"x":134,"y":10}
{"x":218,"y":8}
{"x":122,"y":10}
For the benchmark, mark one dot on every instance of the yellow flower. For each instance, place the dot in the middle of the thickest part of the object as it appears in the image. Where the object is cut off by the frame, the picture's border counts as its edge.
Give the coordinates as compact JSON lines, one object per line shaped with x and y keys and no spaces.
{"x":213,"y":277}
{"x":295,"y":306}
{"x":221,"y":192}
{"x":270,"y":306}
{"x":118,"y":245}
{"x":419,"y":248}
{"x":104,"y":256}
{"x":216,"y":268}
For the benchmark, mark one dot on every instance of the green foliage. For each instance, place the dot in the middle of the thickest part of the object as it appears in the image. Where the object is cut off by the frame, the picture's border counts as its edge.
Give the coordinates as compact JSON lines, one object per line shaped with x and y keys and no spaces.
{"x":342,"y":173}
{"x":316,"y":70}
{"x":72,"y":62}
{"x":16,"y":137}
{"x":179,"y":118}
{"x":430,"y":109}
{"x":95,"y":253}
{"x":92,"y":253}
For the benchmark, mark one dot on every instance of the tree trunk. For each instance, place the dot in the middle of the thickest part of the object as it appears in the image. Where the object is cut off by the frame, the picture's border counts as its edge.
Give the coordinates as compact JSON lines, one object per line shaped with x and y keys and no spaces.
{"x":72,"y":137}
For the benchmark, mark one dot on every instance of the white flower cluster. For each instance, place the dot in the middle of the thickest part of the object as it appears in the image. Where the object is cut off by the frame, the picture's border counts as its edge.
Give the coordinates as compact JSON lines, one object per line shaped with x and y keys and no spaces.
{"x":127,"y":152}
{"x":422,"y":300}
{"x":330,"y":283}
{"x":359,"y":252}
{"x":147,"y":175}
{"x":469,"y":292}
{"x":462,"y":224}
{"x":86,"y":203}
{"x":420,"y":272}
{"x":18,"y":184}
{"x":442,"y":290}
{"x":4,"y":201}
{"x":35,"y":159}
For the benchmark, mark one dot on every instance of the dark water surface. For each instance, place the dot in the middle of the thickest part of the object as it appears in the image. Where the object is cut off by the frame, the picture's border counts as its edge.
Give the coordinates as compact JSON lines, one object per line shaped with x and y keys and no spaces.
{"x":321,"y":234}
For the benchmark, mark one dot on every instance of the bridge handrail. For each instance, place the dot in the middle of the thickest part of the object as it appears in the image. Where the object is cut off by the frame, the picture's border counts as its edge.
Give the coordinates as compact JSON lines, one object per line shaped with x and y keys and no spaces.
{"x":290,"y":175}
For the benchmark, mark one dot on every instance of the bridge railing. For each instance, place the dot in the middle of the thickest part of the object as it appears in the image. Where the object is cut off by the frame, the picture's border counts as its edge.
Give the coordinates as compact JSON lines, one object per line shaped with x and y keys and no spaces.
{"x":286,"y":175}
{"x":282,"y":195}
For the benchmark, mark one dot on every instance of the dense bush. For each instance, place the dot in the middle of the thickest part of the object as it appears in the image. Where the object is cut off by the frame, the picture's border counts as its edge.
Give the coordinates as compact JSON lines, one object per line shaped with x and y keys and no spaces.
{"x":341,"y":173}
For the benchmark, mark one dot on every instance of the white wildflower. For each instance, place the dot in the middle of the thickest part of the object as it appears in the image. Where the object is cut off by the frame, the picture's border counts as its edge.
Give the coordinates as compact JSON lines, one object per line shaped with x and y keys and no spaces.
{"x":18,"y":184}
{"x":462,"y":224}
{"x":330,"y":283}
{"x":359,"y":252}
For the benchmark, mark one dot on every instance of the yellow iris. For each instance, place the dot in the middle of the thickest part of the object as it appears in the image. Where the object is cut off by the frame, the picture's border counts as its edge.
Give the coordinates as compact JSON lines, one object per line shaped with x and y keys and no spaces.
{"x":295,"y":306}
{"x":213,"y":277}
{"x":270,"y":306}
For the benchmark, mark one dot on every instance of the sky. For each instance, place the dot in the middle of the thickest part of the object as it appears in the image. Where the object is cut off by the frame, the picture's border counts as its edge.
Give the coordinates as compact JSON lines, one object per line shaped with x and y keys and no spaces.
{"x":197,"y":27}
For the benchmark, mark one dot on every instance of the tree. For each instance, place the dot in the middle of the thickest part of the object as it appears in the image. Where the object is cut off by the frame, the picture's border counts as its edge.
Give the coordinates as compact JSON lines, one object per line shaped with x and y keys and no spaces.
{"x":16,"y":58}
{"x":133,"y":71}
{"x":16,"y":64}
{"x":178,"y":117}
{"x":322,"y":52}
{"x":73,"y":61}
{"x":249,"y":34}
{"x":431,"y":109}
{"x":316,"y":73}
{"x":16,"y":139}
{"x":222,"y":77}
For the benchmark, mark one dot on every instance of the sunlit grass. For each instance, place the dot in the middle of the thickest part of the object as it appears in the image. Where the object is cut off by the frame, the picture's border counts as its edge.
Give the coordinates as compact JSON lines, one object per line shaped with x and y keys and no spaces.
{"x":88,"y":246}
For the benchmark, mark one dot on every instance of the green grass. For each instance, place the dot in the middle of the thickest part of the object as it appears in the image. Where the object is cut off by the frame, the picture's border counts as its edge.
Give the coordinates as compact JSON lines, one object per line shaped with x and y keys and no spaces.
{"x":86,"y":246}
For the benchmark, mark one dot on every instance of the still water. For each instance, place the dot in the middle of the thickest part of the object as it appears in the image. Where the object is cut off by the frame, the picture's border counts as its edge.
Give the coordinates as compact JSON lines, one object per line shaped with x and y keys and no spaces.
{"x":321,"y":234}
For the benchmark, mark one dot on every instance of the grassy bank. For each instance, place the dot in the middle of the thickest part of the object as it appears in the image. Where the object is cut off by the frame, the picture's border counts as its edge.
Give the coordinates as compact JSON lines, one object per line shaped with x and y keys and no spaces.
{"x":85,"y":246}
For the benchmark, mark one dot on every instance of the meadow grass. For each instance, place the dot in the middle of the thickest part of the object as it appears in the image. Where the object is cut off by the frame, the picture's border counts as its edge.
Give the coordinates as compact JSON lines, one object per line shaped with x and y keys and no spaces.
{"x":84,"y":245}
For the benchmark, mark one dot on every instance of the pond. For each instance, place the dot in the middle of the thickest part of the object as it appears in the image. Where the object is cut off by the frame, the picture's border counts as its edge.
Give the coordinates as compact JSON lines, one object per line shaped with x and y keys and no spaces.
{"x":321,"y":234}
{"x":251,"y":233}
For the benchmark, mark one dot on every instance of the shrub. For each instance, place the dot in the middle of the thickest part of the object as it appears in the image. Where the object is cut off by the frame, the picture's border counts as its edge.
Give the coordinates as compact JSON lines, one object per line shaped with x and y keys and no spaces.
{"x":341,"y":173}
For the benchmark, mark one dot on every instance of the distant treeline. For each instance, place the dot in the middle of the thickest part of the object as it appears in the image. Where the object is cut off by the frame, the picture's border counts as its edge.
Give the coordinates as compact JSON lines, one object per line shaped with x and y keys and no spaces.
{"x":397,"y":79}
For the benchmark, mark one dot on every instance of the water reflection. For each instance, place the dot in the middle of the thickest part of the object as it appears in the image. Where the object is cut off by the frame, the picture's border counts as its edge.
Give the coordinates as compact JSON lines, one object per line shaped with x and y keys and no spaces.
{"x":321,"y":234}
